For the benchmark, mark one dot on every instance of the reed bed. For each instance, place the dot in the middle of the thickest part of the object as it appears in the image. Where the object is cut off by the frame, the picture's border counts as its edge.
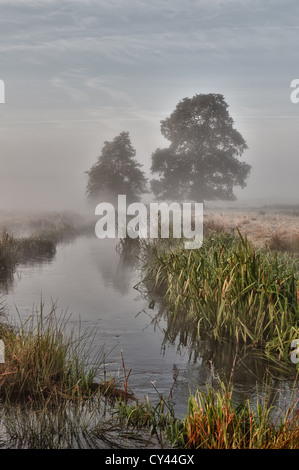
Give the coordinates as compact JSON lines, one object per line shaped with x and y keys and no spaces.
{"x":215,"y":421}
{"x":229,"y":290}
{"x":15,"y":250}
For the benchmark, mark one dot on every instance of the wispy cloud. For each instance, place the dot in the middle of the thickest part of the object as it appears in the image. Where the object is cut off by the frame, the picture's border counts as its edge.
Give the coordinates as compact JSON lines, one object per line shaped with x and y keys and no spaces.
{"x":143,"y":35}
{"x":76,"y":94}
{"x":108,"y":65}
{"x":113,"y":90}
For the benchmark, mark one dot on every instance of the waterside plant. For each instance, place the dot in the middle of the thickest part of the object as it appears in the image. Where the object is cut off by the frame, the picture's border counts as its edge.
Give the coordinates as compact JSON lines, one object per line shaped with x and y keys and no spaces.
{"x":228,"y":289}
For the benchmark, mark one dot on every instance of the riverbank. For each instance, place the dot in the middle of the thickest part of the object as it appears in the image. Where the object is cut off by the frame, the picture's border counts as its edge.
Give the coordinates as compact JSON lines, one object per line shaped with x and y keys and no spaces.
{"x":49,"y":398}
{"x":228,"y":290}
{"x":31,"y":236}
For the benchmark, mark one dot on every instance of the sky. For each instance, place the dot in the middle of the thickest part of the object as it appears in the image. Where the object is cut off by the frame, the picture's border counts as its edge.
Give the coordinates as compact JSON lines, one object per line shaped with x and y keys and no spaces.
{"x":79,"y":72}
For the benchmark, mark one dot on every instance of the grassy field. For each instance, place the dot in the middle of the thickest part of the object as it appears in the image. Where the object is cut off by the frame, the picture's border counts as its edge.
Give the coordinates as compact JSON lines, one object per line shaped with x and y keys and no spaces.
{"x":277,"y":227}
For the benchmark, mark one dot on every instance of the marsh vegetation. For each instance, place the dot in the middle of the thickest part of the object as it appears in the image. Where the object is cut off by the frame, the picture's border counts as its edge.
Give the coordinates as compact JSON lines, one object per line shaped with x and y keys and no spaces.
{"x":235,"y":296}
{"x":229,"y":290}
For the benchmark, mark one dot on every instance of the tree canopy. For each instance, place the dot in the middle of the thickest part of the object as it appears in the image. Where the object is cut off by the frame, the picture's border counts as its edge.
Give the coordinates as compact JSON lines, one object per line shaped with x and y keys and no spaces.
{"x":116,"y":171}
{"x":201,"y":162}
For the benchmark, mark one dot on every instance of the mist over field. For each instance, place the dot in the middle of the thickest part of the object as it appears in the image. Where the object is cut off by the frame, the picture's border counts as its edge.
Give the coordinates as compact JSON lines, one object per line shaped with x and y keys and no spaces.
{"x":77,"y":73}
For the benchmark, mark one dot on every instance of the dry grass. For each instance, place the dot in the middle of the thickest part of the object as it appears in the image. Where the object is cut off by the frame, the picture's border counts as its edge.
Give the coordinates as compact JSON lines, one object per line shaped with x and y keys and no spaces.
{"x":41,"y":362}
{"x":277,"y":228}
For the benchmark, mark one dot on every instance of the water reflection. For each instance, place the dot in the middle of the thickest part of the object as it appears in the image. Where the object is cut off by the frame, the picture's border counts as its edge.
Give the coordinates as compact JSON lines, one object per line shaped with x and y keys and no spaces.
{"x":116,"y":272}
{"x":208,"y":360}
{"x":120,"y":270}
{"x":9,"y":277}
{"x":95,"y":282}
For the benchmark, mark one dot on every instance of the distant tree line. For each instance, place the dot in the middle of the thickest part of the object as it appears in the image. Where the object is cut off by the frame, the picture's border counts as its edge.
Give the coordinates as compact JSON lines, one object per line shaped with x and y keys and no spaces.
{"x":202,"y":161}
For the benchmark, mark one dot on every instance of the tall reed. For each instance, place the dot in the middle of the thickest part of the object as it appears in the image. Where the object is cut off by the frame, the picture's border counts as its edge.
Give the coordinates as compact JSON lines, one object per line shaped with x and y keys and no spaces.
{"x":229,"y":289}
{"x":15,"y":250}
{"x":215,"y":421}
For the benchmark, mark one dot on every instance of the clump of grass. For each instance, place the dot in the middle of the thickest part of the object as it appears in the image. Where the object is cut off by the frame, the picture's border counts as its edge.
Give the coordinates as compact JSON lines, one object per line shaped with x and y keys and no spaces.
{"x":229,"y":289}
{"x":40,"y":362}
{"x":214,"y":421}
{"x":34,"y":246}
{"x":145,"y":414}
{"x":15,"y":250}
{"x":157,"y":419}
{"x":129,"y":250}
{"x":8,"y":252}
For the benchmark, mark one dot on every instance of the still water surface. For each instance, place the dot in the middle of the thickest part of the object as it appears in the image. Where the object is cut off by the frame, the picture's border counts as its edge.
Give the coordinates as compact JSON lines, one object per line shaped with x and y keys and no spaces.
{"x":88,"y":278}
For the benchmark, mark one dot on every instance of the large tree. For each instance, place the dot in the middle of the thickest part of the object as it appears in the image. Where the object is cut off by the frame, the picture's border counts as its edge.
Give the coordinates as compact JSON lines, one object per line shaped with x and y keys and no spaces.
{"x":116,"y":171}
{"x":201,"y":162}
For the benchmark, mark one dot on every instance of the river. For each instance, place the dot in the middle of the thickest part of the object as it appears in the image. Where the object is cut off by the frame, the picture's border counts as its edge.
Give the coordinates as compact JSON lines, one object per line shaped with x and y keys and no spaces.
{"x":88,"y":278}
